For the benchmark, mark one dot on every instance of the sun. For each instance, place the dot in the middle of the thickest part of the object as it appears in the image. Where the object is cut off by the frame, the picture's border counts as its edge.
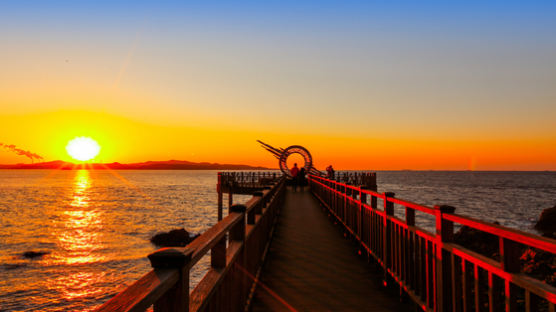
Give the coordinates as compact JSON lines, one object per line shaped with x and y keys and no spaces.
{"x":83,"y":148}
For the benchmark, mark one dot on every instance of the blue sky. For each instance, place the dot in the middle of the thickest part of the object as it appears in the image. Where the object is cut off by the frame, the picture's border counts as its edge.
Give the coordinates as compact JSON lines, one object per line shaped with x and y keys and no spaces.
{"x":438,"y":70}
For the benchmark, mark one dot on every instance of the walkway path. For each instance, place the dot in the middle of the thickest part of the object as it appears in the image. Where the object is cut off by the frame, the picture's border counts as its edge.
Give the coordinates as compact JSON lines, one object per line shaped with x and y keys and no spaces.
{"x":311,"y":267}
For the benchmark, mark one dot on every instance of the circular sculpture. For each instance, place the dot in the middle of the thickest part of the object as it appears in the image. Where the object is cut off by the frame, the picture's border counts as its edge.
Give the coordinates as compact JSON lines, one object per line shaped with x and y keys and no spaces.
{"x":295,"y":149}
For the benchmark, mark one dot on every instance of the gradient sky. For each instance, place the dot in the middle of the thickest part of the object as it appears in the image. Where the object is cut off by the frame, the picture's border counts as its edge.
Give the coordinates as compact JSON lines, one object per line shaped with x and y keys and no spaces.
{"x":452,"y":85}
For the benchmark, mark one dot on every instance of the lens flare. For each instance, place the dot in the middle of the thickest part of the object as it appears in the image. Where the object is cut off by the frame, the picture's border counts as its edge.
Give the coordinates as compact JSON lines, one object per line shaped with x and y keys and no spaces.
{"x":83,"y":148}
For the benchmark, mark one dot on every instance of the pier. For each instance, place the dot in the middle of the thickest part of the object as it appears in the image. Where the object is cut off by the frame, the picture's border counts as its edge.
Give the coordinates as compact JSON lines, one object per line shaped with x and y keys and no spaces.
{"x":312,"y":267}
{"x":338,"y":245}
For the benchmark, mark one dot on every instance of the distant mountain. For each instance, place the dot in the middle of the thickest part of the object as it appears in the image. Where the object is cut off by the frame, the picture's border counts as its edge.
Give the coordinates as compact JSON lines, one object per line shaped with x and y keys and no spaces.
{"x":148,"y":165}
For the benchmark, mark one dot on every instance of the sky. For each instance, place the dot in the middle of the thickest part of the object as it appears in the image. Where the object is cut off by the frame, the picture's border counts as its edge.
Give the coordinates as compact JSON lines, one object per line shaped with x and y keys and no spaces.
{"x":377,"y":85}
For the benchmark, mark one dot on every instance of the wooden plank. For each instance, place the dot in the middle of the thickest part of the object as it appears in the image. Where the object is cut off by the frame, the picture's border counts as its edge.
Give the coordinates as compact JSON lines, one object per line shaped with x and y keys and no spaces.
{"x":535,"y":286}
{"x":510,"y":252}
{"x":175,"y":299}
{"x":457,"y":280}
{"x":143,"y":293}
{"x":476,"y":287}
{"x":218,"y":254}
{"x":423,"y":259}
{"x":466,"y":286}
{"x":490,"y":293}
{"x":219,"y":192}
{"x":387,"y":234}
{"x":428,"y":261}
{"x":206,"y":288}
{"x":301,"y":274}
{"x":212,"y":236}
{"x":444,"y":234}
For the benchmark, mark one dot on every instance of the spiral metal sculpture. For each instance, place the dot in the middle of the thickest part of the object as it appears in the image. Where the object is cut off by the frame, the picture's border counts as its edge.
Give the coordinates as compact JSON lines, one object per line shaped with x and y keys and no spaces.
{"x":282,"y":155}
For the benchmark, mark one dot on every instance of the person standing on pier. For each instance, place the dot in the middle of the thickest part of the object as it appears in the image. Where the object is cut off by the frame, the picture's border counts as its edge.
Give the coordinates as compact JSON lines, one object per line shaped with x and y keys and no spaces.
{"x":301,"y":181}
{"x":330,"y":172}
{"x":293,"y":172}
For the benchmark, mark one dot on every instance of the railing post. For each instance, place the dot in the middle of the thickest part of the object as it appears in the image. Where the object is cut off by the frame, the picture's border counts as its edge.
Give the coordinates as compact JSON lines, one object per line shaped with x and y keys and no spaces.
{"x":362,"y":202}
{"x":355,"y":212}
{"x":409,"y":216}
{"x":345,"y":203}
{"x":331,"y":194}
{"x":218,"y":254}
{"x":410,"y":247}
{"x":237,"y":233}
{"x":231,"y":190}
{"x":265,"y":197}
{"x":509,"y":262}
{"x":387,"y":235}
{"x":371,"y":181}
{"x":256,"y":210}
{"x":348,"y":206}
{"x":443,"y":284}
{"x":337,"y":197}
{"x":374,"y":201}
{"x":219,"y":191}
{"x":177,"y":297}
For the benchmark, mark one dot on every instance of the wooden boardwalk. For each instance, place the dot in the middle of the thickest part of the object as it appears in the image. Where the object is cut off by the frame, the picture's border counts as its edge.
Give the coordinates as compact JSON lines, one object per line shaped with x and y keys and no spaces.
{"x":312,"y":267}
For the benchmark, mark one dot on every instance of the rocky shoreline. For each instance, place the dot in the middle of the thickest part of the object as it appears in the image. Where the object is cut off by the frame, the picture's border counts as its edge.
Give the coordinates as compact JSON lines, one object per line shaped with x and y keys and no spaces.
{"x":536,"y":263}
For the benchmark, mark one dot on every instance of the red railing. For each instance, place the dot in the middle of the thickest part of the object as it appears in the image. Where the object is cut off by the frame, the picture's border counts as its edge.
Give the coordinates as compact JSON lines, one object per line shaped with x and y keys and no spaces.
{"x":435,"y":272}
{"x":248,"y":179}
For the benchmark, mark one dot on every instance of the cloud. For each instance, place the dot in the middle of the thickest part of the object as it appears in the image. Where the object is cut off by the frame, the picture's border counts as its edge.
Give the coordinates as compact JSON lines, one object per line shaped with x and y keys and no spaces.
{"x":18,"y":151}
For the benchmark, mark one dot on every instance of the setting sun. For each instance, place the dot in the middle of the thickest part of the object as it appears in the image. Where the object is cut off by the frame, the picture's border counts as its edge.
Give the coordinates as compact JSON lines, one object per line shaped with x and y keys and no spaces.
{"x":83,"y":148}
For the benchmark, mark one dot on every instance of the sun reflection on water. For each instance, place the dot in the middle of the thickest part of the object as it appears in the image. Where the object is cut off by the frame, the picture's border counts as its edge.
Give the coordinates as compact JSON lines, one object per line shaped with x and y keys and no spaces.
{"x":79,"y":236}
{"x":81,"y":233}
{"x":79,"y":284}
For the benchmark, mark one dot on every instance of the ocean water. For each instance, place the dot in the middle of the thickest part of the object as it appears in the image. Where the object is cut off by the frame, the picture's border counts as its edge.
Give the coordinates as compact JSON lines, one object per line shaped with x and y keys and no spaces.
{"x":513,"y":199}
{"x":95,"y":225}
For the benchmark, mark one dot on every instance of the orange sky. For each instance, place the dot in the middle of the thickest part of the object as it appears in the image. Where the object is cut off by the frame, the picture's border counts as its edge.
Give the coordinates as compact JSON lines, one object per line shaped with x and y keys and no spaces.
{"x":362,"y":86}
{"x":128,"y":140}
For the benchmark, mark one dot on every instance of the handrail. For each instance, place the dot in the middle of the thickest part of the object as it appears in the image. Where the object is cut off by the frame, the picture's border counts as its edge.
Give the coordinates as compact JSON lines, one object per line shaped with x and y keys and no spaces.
{"x":434,"y":271}
{"x":140,"y":295}
{"x":236,"y":245}
{"x":206,"y":241}
{"x":518,"y":236}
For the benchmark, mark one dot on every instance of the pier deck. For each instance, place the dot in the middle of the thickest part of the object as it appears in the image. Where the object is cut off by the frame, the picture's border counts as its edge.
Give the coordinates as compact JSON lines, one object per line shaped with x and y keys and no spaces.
{"x":312,"y":267}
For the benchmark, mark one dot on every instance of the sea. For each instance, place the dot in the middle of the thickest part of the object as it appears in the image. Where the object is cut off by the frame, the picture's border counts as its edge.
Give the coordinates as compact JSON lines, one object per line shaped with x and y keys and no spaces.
{"x":94,"y":226}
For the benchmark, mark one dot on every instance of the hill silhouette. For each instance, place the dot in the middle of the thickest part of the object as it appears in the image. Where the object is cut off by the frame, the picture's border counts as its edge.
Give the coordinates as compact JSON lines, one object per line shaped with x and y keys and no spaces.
{"x":148,"y":165}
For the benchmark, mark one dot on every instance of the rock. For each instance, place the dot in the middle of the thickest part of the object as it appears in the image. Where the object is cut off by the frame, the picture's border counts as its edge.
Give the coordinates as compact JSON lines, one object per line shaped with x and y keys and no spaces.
{"x":174,"y":238}
{"x":535,"y":263}
{"x":547,"y":222}
{"x":10,"y":266}
{"x":540,"y":265}
{"x":34,"y":254}
{"x":478,"y":241}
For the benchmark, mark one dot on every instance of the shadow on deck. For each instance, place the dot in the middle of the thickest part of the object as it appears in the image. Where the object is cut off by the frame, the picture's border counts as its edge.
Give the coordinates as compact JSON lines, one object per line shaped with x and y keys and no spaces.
{"x":312,"y":267}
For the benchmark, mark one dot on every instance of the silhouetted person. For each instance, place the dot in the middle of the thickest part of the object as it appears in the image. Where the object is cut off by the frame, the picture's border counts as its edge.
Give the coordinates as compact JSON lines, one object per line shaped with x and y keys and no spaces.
{"x":330,"y":172}
{"x":294,"y":171}
{"x":301,"y":180}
